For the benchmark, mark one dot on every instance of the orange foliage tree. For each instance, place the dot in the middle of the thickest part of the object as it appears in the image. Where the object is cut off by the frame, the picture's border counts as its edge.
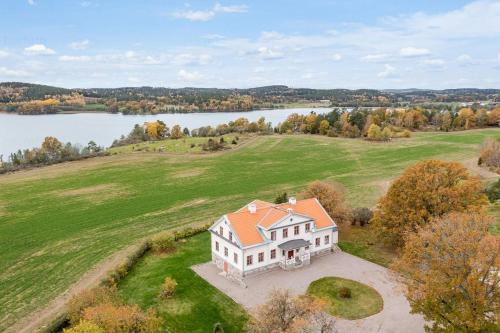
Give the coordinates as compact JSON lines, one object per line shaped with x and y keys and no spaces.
{"x":452,"y":269}
{"x":426,"y":190}
{"x":123,"y":319}
{"x":331,"y":197}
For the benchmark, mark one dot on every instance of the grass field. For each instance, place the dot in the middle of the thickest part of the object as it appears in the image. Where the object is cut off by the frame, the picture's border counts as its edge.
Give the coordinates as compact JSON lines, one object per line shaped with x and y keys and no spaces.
{"x":196,"y":305}
{"x":58,"y":222}
{"x":363,"y":302}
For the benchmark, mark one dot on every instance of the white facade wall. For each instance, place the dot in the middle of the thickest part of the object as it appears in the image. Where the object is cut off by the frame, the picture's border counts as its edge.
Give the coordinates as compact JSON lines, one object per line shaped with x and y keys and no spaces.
{"x":225,"y":243}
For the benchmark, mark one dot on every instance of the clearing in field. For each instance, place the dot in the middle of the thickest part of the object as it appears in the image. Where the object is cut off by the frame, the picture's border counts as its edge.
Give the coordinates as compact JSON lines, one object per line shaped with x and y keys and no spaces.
{"x":56,"y":239}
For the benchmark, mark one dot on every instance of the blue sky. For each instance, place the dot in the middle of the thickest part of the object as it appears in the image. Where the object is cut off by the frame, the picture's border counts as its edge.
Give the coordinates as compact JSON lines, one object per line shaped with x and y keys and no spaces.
{"x":318,"y":44}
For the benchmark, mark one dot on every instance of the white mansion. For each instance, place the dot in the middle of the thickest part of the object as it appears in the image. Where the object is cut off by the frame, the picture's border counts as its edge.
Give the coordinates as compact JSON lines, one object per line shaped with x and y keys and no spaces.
{"x":263,"y":235}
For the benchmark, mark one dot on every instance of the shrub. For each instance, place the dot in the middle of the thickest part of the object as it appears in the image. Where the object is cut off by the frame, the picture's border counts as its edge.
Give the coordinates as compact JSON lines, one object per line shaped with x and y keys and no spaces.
{"x":218,"y":328}
{"x":490,"y":153}
{"x":234,"y":142}
{"x":168,"y":287}
{"x":192,"y":145}
{"x":163,"y":242}
{"x":361,"y":215}
{"x":89,"y":298}
{"x":281,"y":198}
{"x":123,"y":319}
{"x":344,"y":292}
{"x":84,"y":327}
{"x":493,"y":191}
{"x":213,"y":145}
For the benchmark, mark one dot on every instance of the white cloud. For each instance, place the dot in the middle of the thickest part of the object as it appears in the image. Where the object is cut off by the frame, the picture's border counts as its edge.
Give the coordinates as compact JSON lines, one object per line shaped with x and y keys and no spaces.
{"x":191,"y":59}
{"x":13,"y":72}
{"x":336,"y":57}
{"x":207,"y":15}
{"x":133,"y":79}
{"x":266,"y":53}
{"x":389,"y":71}
{"x":374,"y":57}
{"x":31,"y":2}
{"x":85,"y":4}
{"x":80,"y":45}
{"x":434,"y":62}
{"x":189,"y":76}
{"x":69,"y":58}
{"x":130,"y":54}
{"x":149,"y":60}
{"x":498,"y":56}
{"x":411,"y":51}
{"x":464,"y":58}
{"x":38,"y":49}
{"x":3,"y":54}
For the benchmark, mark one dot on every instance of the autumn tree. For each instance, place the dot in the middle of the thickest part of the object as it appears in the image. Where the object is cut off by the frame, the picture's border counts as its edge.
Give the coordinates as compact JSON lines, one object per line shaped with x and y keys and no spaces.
{"x":52,"y":146}
{"x":84,"y":327}
{"x":324,"y":126}
{"x":331,"y":197}
{"x":426,"y":190}
{"x":155,"y":129}
{"x":451,"y":267}
{"x":89,"y":298}
{"x":123,"y":318}
{"x":283,"y":313}
{"x":374,"y":133}
{"x":494,"y":117}
{"x":490,"y":153}
{"x":176,"y":132}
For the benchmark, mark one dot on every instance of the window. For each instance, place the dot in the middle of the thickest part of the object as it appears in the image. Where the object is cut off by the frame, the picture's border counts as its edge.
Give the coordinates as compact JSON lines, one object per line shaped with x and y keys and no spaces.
{"x":249,"y":260}
{"x":235,"y":258}
{"x":273,"y":235}
{"x":230,"y":236}
{"x":318,"y":241}
{"x":261,"y":256}
{"x":221,"y":231}
{"x":308,"y":227}
{"x":306,"y":248}
{"x":217,"y":246}
{"x":285,"y":233}
{"x":273,"y":254}
{"x":283,"y":252}
{"x":226,"y":252}
{"x":327,"y":239}
{"x":296,"y":230}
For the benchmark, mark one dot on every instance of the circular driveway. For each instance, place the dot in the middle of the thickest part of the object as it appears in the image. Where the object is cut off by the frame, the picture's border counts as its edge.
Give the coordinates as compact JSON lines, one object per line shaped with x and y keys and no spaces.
{"x":395,"y":316}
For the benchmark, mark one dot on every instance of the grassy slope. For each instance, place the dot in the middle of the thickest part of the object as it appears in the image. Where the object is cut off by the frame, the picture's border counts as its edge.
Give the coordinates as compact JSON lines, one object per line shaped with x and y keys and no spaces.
{"x":49,"y":237}
{"x":196,"y":305}
{"x":175,"y":146}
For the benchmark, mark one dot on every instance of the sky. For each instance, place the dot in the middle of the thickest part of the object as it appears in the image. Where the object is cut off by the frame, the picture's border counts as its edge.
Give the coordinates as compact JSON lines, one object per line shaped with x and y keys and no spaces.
{"x":379,"y":44}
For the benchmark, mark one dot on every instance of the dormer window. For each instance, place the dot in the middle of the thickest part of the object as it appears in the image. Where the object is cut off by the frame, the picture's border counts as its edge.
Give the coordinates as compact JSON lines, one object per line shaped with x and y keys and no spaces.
{"x":285,"y":233}
{"x":230,"y":236}
{"x":273,"y":235}
{"x":308,"y":227}
{"x":221,"y":231}
{"x":296,"y":230}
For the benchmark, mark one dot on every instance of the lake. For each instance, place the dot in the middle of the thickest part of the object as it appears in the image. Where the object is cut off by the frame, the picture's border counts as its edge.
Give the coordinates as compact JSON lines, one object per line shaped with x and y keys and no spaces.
{"x":21,"y":132}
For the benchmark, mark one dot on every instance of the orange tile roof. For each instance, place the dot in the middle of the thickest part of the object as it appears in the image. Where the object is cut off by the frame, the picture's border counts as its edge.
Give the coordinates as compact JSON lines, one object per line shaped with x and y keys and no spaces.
{"x":245,"y":224}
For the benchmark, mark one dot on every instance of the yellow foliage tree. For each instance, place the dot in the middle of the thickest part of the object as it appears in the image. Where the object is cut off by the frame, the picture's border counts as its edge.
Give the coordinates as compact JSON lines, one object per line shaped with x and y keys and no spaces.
{"x":156,"y":129}
{"x":176,"y":132}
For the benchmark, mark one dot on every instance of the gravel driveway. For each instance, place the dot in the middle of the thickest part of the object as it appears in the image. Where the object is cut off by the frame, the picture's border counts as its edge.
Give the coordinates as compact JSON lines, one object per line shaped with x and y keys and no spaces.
{"x":395,"y":317}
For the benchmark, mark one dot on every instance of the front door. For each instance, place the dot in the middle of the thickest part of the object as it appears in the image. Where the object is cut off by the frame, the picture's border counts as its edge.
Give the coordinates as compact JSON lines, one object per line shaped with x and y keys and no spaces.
{"x":225,"y":266}
{"x":290,"y":254}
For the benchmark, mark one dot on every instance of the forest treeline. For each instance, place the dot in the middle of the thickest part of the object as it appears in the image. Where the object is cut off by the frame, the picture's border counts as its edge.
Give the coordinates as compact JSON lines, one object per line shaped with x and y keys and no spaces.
{"x":24,"y":98}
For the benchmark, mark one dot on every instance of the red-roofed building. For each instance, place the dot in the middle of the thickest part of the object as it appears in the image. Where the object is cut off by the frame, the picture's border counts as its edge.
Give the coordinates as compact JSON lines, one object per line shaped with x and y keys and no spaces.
{"x":263,"y":235}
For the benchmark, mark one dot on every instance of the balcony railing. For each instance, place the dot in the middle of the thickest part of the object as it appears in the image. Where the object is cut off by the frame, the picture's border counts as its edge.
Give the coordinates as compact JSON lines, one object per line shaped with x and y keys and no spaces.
{"x":296,"y":262}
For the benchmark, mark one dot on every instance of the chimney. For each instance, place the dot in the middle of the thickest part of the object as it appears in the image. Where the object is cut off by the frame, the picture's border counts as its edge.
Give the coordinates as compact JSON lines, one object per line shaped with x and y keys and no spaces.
{"x":289,"y":210}
{"x":252,"y":208}
{"x":292,"y":200}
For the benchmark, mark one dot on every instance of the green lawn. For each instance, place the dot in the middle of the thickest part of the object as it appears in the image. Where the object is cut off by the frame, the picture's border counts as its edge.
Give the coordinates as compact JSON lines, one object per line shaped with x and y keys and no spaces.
{"x":196,"y":306}
{"x":58,"y":222}
{"x":364,"y":301}
{"x":183,"y":145}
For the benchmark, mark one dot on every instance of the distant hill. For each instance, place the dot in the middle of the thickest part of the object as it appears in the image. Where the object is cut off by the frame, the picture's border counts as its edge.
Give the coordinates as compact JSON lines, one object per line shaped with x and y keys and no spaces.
{"x":18,"y":92}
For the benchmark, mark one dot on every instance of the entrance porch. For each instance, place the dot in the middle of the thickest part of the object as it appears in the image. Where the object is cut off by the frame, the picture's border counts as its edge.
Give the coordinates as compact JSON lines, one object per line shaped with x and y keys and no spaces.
{"x":294,"y":254}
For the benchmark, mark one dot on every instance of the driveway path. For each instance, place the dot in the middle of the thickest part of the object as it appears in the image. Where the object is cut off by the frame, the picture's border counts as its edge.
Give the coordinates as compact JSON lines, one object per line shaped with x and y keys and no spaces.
{"x":394,"y":318}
